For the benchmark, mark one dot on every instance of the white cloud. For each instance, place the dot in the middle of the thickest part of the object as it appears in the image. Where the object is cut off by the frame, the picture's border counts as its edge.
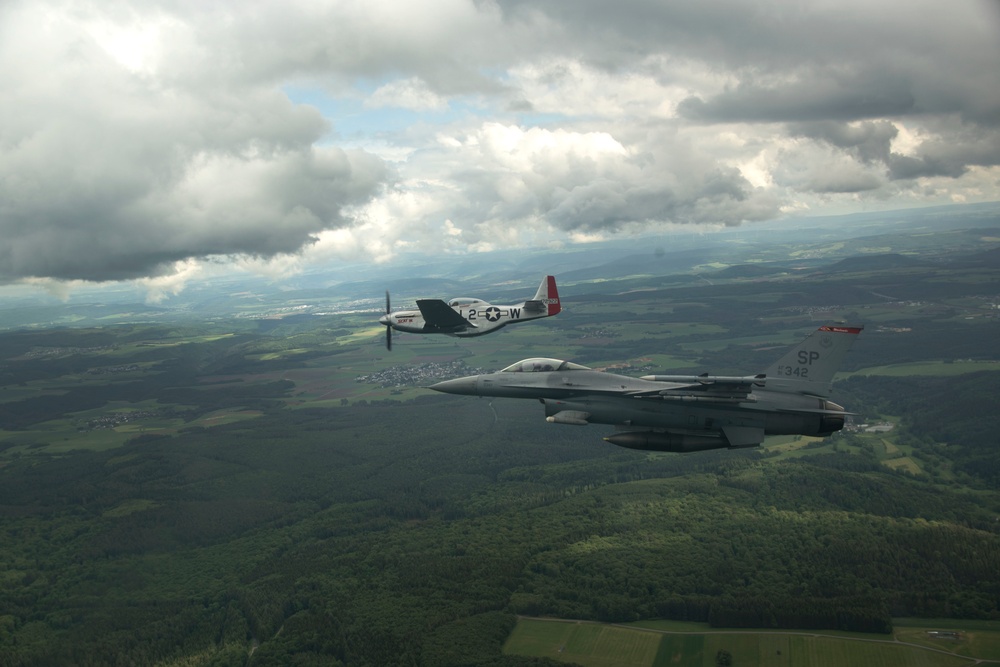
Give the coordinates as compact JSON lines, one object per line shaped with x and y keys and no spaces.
{"x":409,"y":94}
{"x":139,"y":140}
{"x":159,"y":288}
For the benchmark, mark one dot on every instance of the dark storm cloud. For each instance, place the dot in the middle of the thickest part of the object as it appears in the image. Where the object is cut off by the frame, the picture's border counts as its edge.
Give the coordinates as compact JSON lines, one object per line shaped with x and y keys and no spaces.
{"x":218,"y":205}
{"x":951,"y":158}
{"x":798,"y":61}
{"x":831,"y":97}
{"x":870,"y":142}
{"x":867,"y":141}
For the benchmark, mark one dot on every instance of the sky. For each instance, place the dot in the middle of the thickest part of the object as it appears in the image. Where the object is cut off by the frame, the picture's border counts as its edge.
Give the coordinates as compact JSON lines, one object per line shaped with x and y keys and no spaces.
{"x":163,"y":141}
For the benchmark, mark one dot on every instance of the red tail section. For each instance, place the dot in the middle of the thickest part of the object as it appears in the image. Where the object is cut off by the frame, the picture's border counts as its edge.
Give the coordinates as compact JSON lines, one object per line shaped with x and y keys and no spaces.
{"x":547,"y":298}
{"x":552,"y":298}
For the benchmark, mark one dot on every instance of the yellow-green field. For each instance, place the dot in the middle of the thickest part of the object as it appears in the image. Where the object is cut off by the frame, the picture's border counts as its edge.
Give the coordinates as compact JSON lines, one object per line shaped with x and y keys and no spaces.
{"x":666,"y":643}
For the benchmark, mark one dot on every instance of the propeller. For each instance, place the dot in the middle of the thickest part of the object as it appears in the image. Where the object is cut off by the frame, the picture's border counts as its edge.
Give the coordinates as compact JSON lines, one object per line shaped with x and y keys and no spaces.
{"x":388,"y":326}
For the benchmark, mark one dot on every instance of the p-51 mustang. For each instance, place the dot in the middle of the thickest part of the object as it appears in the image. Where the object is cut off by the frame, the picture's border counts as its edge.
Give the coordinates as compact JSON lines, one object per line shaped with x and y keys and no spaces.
{"x":465,"y":317}
{"x":684,"y":413}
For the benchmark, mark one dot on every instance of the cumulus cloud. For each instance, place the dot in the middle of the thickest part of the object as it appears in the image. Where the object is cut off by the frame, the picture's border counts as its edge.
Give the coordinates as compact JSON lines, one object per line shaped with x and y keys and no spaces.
{"x":109,"y":171}
{"x":528,"y":182}
{"x":409,"y":94}
{"x":870,"y":142}
{"x":139,"y":140}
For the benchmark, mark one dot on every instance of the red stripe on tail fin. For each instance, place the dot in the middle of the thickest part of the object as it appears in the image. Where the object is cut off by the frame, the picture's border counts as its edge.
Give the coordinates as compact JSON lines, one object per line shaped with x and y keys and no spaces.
{"x":553,"y":296}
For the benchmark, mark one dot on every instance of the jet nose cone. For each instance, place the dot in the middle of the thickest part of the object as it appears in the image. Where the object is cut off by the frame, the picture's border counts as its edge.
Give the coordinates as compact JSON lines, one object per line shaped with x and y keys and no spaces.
{"x":457,"y":386}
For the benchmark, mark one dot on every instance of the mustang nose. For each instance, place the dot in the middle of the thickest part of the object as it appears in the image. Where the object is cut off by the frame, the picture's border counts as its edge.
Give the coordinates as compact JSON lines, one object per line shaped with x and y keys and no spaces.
{"x":457,"y":386}
{"x":384,"y":320}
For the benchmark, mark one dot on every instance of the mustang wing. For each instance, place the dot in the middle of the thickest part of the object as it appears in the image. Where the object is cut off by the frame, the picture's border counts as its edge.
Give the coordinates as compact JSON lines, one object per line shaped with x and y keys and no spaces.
{"x":439,"y":315}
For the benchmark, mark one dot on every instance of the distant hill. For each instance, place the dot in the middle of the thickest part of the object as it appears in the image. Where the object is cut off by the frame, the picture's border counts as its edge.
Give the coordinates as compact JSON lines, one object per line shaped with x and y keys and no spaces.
{"x":750,"y":271}
{"x":876,"y":263}
{"x":652,"y":264}
{"x":986,"y":258}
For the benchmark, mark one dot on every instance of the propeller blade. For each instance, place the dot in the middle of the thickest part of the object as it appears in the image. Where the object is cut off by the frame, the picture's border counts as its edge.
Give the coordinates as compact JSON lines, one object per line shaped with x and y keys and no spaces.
{"x":388,"y":327}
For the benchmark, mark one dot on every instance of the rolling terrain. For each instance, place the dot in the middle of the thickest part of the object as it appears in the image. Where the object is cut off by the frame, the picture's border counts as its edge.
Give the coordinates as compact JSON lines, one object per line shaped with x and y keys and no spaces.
{"x":270,"y":486}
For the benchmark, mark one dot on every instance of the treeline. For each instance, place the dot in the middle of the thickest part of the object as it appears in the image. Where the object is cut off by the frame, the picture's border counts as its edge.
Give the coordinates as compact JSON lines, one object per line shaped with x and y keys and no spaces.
{"x":948,"y":417}
{"x":851,"y":614}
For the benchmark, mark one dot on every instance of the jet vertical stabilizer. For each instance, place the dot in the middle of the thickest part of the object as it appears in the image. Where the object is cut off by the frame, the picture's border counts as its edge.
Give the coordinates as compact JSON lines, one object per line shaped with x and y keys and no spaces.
{"x":809,"y":367}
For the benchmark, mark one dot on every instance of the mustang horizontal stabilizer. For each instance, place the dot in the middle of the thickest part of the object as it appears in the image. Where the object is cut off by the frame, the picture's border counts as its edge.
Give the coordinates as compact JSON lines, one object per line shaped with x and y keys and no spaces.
{"x":439,"y":315}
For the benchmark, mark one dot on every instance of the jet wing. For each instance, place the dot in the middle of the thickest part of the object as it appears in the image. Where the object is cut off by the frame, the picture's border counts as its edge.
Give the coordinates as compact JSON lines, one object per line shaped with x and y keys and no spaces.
{"x":439,"y":315}
{"x":707,"y":388}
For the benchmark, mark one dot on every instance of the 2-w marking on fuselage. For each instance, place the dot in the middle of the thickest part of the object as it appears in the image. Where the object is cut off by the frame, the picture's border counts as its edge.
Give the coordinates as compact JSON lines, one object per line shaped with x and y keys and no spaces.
{"x":492,"y":313}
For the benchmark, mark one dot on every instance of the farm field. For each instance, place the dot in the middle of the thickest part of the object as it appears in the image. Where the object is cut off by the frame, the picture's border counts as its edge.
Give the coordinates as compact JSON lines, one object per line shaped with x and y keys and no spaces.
{"x":665,"y":643}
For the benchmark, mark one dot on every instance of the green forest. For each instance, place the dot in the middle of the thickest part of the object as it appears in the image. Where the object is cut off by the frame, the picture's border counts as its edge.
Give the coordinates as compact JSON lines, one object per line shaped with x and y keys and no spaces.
{"x":231,"y":495}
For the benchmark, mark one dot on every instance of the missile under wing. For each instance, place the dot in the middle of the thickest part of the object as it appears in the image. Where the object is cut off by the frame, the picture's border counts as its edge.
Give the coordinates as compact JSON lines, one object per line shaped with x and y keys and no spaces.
{"x":683,"y":413}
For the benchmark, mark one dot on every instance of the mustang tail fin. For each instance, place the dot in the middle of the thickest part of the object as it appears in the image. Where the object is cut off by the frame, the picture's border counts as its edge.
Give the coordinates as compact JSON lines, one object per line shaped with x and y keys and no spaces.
{"x":809,"y":367}
{"x":546,"y":299}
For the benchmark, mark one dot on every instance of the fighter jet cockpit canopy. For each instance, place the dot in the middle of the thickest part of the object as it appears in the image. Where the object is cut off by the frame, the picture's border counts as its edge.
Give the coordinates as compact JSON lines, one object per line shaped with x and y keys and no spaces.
{"x":541,"y":364}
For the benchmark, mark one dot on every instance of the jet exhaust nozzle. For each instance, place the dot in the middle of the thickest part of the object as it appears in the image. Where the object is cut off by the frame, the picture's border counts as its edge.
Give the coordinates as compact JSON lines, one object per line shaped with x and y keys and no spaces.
{"x":654,"y":441}
{"x":831,"y":422}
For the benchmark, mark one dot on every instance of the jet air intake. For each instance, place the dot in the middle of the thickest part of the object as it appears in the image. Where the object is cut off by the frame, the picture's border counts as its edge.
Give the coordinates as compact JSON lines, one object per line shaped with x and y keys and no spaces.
{"x":655,"y":441}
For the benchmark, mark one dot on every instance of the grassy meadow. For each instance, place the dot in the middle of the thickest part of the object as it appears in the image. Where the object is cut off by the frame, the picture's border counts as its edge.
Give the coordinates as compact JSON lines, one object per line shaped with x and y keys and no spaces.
{"x":663,"y":643}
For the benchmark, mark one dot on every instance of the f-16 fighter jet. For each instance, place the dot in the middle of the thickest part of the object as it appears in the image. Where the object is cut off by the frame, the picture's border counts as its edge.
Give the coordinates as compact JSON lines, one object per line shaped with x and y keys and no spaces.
{"x":684,"y":413}
{"x":465,"y":317}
